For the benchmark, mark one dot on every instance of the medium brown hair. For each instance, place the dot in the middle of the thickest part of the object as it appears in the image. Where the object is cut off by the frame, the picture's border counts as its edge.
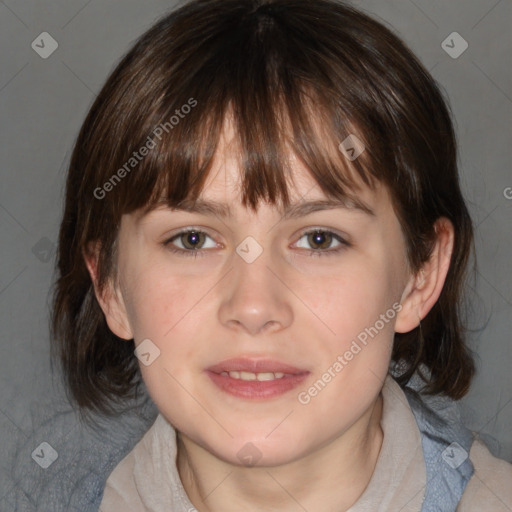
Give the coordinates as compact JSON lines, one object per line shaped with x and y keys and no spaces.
{"x":325,"y":71}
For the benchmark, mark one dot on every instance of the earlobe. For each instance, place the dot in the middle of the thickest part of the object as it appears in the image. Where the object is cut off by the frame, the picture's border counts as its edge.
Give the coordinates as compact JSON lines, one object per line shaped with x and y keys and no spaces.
{"x":409,"y":316}
{"x":109,"y":300}
{"x":425,"y":287}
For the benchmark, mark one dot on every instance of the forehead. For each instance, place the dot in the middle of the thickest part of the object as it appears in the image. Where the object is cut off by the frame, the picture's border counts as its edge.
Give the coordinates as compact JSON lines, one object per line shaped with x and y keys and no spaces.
{"x":222,"y":190}
{"x":221,"y":198}
{"x":221,"y":194}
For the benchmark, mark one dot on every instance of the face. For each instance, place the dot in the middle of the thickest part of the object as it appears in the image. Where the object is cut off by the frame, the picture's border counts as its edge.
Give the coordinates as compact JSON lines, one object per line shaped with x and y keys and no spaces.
{"x":262,"y":294}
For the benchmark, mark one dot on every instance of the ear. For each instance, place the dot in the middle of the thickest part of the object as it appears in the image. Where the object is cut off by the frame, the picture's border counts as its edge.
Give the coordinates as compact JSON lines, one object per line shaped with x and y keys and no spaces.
{"x":424,"y":288}
{"x":110,"y":298}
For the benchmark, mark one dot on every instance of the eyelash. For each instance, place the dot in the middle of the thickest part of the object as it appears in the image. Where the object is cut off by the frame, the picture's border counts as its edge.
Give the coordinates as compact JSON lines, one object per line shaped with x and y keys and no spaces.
{"x":194,"y":253}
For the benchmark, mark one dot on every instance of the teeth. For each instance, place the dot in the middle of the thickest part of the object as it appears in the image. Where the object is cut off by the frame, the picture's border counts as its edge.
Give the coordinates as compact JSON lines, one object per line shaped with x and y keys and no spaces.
{"x":266,"y":376}
{"x":254,"y":376}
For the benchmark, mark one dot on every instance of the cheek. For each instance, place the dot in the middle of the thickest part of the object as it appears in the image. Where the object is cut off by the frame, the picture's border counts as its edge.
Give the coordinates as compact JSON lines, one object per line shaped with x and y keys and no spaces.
{"x":169,"y":309}
{"x":358,"y":309}
{"x":352,"y":297}
{"x":158,"y":302}
{"x":162,"y":308}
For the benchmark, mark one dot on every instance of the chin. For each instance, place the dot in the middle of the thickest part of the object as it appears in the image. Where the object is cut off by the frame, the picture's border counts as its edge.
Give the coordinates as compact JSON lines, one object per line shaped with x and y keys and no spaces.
{"x":256,"y":451}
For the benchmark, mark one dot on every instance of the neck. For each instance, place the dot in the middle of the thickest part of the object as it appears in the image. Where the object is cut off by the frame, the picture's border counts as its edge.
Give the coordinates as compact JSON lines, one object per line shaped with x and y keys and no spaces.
{"x":333,"y":477}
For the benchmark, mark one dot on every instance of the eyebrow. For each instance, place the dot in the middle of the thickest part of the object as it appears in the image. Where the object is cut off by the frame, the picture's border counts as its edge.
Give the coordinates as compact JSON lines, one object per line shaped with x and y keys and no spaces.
{"x":294,"y":211}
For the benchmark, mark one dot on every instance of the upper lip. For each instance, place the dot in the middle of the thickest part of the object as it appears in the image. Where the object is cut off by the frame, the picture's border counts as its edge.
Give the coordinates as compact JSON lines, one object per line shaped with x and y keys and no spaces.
{"x":242,"y":364}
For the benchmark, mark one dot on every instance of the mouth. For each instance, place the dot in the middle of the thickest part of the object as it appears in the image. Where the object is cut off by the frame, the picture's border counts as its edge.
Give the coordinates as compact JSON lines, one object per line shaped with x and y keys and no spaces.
{"x":255,"y":378}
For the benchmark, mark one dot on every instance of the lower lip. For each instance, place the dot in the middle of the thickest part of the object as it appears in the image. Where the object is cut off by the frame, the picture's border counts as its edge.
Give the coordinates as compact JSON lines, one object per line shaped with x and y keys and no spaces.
{"x":254,"y":389}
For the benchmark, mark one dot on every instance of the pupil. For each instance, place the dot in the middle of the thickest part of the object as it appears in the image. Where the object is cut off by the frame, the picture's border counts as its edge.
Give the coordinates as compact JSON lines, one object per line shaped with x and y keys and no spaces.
{"x":193,"y":237}
{"x":319,"y":238}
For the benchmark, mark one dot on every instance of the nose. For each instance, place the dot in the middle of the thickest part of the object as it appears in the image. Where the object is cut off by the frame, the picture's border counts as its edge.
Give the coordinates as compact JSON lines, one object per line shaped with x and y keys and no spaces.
{"x":255,"y":298}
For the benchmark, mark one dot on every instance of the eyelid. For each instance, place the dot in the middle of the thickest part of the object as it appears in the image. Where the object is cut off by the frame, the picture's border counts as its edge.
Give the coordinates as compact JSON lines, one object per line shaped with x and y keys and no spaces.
{"x":324,"y":229}
{"x":343,"y":240}
{"x":302,"y":232}
{"x":187,"y":229}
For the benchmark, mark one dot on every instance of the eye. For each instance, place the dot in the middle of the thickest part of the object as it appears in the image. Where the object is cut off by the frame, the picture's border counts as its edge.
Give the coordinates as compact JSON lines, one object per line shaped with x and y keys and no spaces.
{"x":321,"y":240}
{"x":192,"y":240}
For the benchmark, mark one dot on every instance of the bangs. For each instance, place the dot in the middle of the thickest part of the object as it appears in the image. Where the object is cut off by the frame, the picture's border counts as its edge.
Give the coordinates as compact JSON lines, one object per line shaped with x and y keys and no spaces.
{"x":280,"y":102}
{"x":265,"y":143}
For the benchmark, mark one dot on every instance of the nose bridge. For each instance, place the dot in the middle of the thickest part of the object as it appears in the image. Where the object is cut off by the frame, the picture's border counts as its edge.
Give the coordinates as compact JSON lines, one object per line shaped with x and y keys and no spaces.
{"x":254,"y":297}
{"x":251,"y":266}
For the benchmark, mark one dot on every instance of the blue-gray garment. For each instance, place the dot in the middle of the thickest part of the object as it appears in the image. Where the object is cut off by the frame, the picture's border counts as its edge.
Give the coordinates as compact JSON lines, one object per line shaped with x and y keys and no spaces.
{"x":446,"y":446}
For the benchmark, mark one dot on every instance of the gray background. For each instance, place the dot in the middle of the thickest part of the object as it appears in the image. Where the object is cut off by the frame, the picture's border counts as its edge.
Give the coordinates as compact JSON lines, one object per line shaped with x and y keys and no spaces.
{"x":44,"y":101}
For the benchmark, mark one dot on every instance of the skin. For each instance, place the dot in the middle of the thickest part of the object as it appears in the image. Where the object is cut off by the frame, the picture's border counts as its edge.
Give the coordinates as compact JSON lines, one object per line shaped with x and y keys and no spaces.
{"x":286,"y":305}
